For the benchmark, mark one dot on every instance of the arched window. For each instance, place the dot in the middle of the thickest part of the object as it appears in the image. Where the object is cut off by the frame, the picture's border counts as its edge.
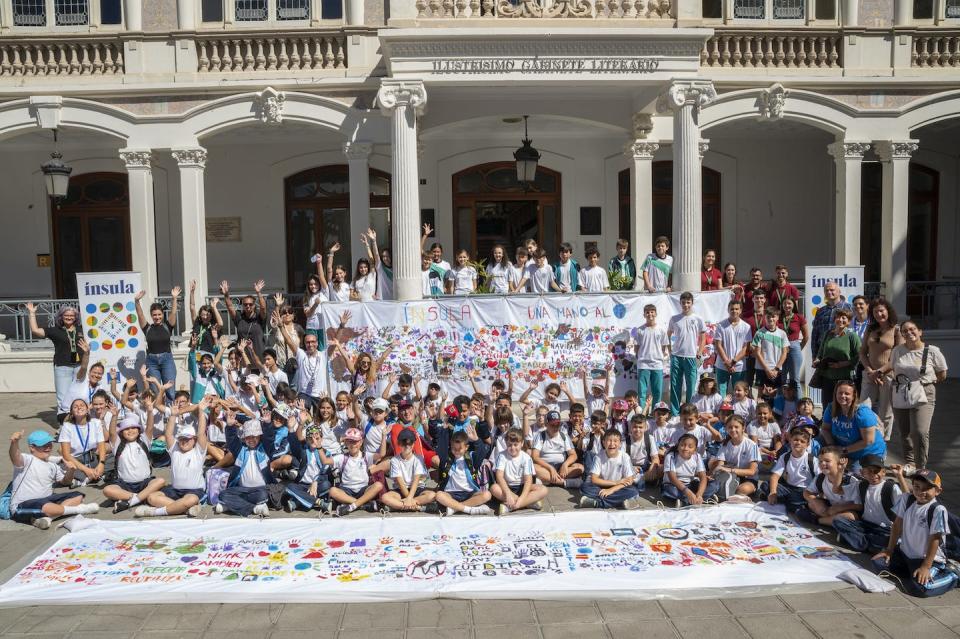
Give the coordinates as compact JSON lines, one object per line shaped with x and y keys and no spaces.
{"x":662,"y":196}
{"x":318,"y":215}
{"x":91,"y":229}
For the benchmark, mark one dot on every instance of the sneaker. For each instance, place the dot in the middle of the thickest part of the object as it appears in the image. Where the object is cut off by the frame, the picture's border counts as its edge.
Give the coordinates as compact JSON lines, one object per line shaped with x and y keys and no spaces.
{"x":261,"y":510}
{"x":324,"y":505}
{"x":484,"y":510}
{"x":193,"y":511}
{"x":90,"y":509}
{"x":218,"y":509}
{"x":503,"y":510}
{"x":370,"y":506}
{"x":631,"y":504}
{"x":288,"y":505}
{"x":42,"y":523}
{"x":384,"y":509}
{"x":909,"y":469}
{"x":588,"y":502}
{"x":450,"y":512}
{"x":537,"y":505}
{"x":432,"y":508}
{"x":738,"y":499}
{"x":290,"y":474}
{"x":342,"y":510}
{"x":143,"y":511}
{"x":120,"y":505}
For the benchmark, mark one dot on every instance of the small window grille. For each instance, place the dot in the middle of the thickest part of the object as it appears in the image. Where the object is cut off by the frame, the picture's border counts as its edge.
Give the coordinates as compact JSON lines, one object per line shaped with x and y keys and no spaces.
{"x":749,"y":9}
{"x":71,"y":12}
{"x":788,"y":9}
{"x":251,"y":10}
{"x":29,"y":13}
{"x":293,"y":9}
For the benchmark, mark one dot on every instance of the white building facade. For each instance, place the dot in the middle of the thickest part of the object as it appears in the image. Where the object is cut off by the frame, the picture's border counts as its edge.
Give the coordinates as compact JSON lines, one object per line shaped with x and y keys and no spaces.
{"x":232,"y":139}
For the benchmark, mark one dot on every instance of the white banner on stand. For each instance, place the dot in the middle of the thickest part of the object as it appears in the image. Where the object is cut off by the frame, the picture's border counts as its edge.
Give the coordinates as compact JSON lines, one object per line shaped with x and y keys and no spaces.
{"x":110,"y":323}
{"x":649,"y":554}
{"x":550,"y":338}
{"x":850,"y":281}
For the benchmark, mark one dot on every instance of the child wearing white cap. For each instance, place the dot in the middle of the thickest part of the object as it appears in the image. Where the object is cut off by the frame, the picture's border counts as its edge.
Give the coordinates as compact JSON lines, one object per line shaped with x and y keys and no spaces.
{"x":246,"y":492}
{"x":188,"y":450}
{"x":32,"y":499}
{"x":135,"y":480}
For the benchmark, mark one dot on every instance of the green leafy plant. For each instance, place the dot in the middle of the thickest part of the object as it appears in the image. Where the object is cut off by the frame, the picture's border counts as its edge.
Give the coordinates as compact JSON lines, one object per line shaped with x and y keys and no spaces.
{"x":483,"y":282}
{"x":618,"y":281}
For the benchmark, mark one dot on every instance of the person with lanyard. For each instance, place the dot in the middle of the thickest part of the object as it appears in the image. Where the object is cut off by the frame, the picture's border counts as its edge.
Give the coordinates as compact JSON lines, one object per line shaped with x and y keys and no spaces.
{"x":311,"y":382}
{"x":822,"y":322}
{"x":382,"y":263}
{"x":795,"y":326}
{"x":251,"y":322}
{"x":780,"y":288}
{"x":89,"y":377}
{"x":66,"y":355}
{"x":755,"y":320}
{"x":851,"y":425}
{"x":158,"y":334}
{"x":750,"y":289}
{"x":207,"y":322}
{"x":710,"y":275}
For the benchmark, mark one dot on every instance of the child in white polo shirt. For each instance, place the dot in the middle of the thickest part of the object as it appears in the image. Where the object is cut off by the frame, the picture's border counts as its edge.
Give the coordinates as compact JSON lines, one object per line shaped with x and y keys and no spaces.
{"x":612,"y":477}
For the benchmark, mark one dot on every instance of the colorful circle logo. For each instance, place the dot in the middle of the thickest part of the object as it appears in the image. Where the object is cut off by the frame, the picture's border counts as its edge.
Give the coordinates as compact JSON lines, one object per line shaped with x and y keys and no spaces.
{"x":619,"y":310}
{"x":91,"y":321}
{"x":93,"y":333}
{"x":120,"y":343}
{"x":107,"y":344}
{"x":133,"y":343}
{"x":94,"y":346}
{"x":132,"y":330}
{"x":104,"y":307}
{"x":131,"y":319}
{"x":117,"y":307}
{"x":90,"y":308}
{"x":131,"y":306}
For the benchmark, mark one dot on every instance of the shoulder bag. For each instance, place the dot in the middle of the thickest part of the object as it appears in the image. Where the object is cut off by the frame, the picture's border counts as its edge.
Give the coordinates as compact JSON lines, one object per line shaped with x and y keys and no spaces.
{"x":910,"y":394}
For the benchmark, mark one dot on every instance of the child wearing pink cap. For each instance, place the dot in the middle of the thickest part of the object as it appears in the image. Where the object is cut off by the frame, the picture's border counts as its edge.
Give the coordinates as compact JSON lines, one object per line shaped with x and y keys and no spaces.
{"x":355,"y":488}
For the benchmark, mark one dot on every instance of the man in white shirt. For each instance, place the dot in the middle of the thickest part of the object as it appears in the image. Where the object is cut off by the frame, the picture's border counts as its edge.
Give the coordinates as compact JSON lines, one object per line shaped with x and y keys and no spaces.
{"x":732,"y":343}
{"x":311,"y":380}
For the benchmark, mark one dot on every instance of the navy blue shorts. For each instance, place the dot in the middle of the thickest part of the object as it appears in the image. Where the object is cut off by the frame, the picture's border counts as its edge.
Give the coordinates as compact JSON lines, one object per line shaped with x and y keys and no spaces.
{"x":356,"y":494}
{"x":177,"y":493}
{"x":460,"y":496}
{"x":134,"y":487}
{"x":31,"y":509}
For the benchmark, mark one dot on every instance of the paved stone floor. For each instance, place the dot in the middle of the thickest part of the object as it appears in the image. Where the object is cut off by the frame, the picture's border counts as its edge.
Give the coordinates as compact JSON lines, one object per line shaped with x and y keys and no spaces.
{"x":835,"y":614}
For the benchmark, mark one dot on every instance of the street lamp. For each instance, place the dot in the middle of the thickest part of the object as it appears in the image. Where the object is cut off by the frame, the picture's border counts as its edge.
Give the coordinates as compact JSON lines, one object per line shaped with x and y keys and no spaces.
{"x":56,"y":174}
{"x":526,"y":157}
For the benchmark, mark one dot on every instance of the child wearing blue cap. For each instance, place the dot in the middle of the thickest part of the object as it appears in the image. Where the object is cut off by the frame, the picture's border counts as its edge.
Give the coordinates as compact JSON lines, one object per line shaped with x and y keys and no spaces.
{"x":32,"y":499}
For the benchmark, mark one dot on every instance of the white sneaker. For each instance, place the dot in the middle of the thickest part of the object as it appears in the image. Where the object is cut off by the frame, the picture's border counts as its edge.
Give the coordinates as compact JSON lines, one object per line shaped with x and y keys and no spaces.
{"x":632,"y":504}
{"x":90,"y":509}
{"x":42,"y":522}
{"x":143,"y":511}
{"x":261,"y":510}
{"x":450,"y":511}
{"x":218,"y":509}
{"x":194,"y":511}
{"x":484,"y":510}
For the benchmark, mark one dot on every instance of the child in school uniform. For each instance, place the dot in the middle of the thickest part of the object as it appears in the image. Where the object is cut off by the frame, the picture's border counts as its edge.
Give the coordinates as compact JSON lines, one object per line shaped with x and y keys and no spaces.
{"x":554,"y":456}
{"x":833,"y":493}
{"x":684,"y":475}
{"x":766,"y":433}
{"x":914,"y":552}
{"x":656,"y":268}
{"x":743,"y":403}
{"x":652,"y":347}
{"x":32,"y":500}
{"x":356,"y":488}
{"x":736,"y":466}
{"x":135,"y":480}
{"x":792,"y":473}
{"x":704,"y":433}
{"x":246,"y":492}
{"x":591,"y":444}
{"x":644,"y":453}
{"x":82,"y":444}
{"x":879,"y":495}
{"x":311,"y":488}
{"x":515,"y":487}
{"x":409,"y":475}
{"x":661,"y":426}
{"x":459,"y":480}
{"x":610,"y":483}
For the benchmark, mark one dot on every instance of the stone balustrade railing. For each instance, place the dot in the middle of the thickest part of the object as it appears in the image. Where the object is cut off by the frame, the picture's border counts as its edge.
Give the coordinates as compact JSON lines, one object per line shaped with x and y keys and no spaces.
{"x":597,"y":9}
{"x":266,"y":52}
{"x":775,"y":50}
{"x":935,"y":50}
{"x":53,"y":56}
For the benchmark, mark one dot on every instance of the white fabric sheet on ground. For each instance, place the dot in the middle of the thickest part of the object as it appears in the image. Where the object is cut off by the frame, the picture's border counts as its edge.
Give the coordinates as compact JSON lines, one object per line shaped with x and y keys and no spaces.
{"x":714,"y":551}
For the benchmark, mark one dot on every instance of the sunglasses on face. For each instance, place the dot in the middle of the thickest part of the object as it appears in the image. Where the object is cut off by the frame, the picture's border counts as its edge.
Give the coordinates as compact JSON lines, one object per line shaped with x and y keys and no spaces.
{"x":45,"y":447}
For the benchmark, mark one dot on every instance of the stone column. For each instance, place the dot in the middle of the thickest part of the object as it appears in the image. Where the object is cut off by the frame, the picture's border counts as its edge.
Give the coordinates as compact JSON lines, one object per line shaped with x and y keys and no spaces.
{"x":193,"y":221}
{"x":143,"y":237}
{"x":133,"y":15}
{"x":641,"y":154}
{"x":895,"y":156}
{"x":358,"y":154}
{"x":686,"y":98}
{"x":187,"y":14}
{"x":848,"y":160}
{"x":403,"y":101}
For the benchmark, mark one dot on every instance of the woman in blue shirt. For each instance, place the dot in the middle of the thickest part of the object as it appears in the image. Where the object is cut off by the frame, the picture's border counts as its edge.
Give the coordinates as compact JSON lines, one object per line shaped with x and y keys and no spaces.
{"x":854,"y":427}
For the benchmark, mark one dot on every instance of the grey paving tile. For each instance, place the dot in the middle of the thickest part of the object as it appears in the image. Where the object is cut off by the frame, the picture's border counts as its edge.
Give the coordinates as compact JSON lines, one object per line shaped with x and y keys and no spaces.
{"x":44,"y":620}
{"x":903,"y":624}
{"x":371,"y":633}
{"x":439,"y":633}
{"x":252,"y":634}
{"x":647,"y":628}
{"x":130,"y":618}
{"x":952,"y":598}
{"x":168,"y":634}
{"x":781,"y":626}
{"x":388,"y":616}
{"x":9,"y":616}
{"x":309,"y":617}
{"x":246,"y":617}
{"x":947,"y":615}
{"x":678,"y":609}
{"x":96,"y":634}
{"x":613,"y":611}
{"x":575,"y":631}
{"x":554,"y":612}
{"x":840,"y":625}
{"x":873,"y":600}
{"x":521,"y":631}
{"x":753,"y":605}
{"x":499,"y":612}
{"x":184,"y":617}
{"x":40,"y":635}
{"x":713,"y":628}
{"x":439,"y":613}
{"x":816,"y":602}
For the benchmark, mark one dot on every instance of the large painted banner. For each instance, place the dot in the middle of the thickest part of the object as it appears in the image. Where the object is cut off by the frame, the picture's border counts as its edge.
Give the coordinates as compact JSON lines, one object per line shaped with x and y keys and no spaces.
{"x":850,"y":281}
{"x":110,"y":323}
{"x":638,"y":554}
{"x":543,"y":339}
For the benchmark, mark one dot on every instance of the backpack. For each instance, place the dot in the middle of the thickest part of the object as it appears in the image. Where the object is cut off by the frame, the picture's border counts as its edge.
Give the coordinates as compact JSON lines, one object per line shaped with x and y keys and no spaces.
{"x":652,"y":449}
{"x":822,"y":478}
{"x":444,"y":474}
{"x":7,"y":497}
{"x":123,"y":444}
{"x":810,"y":468}
{"x":886,"y":498}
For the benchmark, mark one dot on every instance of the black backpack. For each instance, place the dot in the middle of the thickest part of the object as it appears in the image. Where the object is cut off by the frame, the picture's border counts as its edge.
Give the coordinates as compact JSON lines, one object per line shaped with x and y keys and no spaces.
{"x":122,"y":446}
{"x":886,"y":498}
{"x":810,"y":469}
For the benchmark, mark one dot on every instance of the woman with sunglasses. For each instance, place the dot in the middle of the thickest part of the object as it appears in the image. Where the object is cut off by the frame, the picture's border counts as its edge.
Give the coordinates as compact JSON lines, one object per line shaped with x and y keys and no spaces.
{"x":66,"y":355}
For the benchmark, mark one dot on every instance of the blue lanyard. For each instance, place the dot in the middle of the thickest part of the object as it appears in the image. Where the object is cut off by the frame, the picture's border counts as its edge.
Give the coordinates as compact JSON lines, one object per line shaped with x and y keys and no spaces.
{"x":84,"y":440}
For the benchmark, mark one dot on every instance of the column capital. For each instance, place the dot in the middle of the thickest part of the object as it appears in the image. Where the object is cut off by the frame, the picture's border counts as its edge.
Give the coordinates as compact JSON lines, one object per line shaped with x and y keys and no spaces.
{"x":136,"y":158}
{"x":357,"y":150}
{"x":696,"y":93}
{"x":702,"y":146}
{"x":844,"y":150}
{"x":401,"y":93}
{"x":190,"y":157}
{"x":889,"y":150}
{"x":641,"y":149}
